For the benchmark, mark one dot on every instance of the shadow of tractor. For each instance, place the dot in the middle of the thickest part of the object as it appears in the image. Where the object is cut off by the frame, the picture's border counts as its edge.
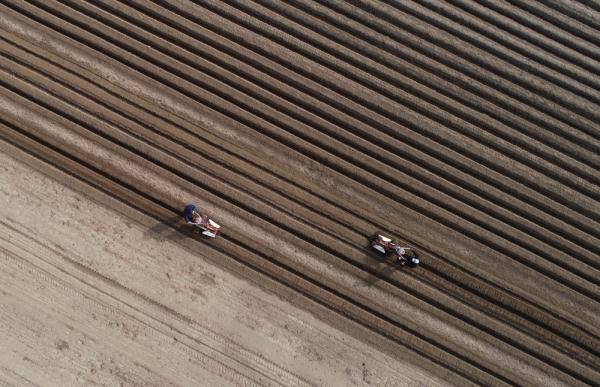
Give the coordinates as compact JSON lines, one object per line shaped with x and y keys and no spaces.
{"x":172,"y":229}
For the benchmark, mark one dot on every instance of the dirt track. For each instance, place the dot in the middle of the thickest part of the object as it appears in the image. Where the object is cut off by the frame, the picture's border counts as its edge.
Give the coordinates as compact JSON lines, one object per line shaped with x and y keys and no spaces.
{"x":305,"y":129}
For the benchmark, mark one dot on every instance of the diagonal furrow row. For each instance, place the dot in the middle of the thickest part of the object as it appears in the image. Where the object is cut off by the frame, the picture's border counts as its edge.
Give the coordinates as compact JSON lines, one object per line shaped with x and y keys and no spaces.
{"x":467,"y":75}
{"x":306,"y":127}
{"x":142,"y":133}
{"x":223,"y":191}
{"x":382,"y":140}
{"x":589,"y":14}
{"x":173,"y":152}
{"x":185,"y":139}
{"x":159,"y":318}
{"x":541,"y":94}
{"x":551,"y":24}
{"x":245,"y":250}
{"x":580,"y":81}
{"x":371,"y":132}
{"x":252,"y":260}
{"x":348,"y":154}
{"x":567,"y":52}
{"x":511,"y":253}
{"x":408,"y":76}
{"x":398,"y":165}
{"x":384,"y":103}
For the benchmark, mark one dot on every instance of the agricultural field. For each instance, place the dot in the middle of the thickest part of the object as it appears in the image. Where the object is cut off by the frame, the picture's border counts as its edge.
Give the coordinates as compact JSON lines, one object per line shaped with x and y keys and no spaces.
{"x":469,"y":131}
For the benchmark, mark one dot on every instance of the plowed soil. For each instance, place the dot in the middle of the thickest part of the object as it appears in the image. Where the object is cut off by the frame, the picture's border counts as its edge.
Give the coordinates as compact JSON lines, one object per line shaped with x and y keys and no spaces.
{"x":469,"y":131}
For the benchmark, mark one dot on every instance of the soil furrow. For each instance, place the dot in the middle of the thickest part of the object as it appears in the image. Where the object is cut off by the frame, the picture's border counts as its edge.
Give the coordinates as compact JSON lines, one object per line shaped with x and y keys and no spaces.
{"x":282,"y":123}
{"x":322,"y":246}
{"x":382,"y":141}
{"x":552,"y":240}
{"x":29,"y":77}
{"x":401,"y":61}
{"x":446,"y":176}
{"x":209,"y":163}
{"x":444,"y":35}
{"x":468,"y":152}
{"x":327,"y":227}
{"x":240,"y":249}
{"x":556,"y":40}
{"x":142,"y":134}
{"x":559,"y":20}
{"x":531,"y":54}
{"x":544,"y":27}
{"x":255,"y":260}
{"x":467,"y":75}
{"x":578,"y":12}
{"x":458,"y":126}
{"x":304,"y":128}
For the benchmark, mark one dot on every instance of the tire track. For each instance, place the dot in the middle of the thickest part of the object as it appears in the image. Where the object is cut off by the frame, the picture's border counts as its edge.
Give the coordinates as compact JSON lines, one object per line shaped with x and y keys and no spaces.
{"x":159,"y":317}
{"x":123,"y":309}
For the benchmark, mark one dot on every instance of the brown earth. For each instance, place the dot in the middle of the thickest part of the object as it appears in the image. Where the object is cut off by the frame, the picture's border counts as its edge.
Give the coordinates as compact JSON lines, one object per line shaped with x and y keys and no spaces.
{"x":470,"y":131}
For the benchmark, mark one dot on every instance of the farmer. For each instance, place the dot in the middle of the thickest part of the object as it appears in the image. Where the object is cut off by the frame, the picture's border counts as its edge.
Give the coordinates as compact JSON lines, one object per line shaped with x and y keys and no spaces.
{"x":191,"y":216}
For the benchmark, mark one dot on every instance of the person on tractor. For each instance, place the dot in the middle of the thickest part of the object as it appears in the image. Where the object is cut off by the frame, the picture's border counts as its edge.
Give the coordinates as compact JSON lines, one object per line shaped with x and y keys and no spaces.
{"x":191,"y":216}
{"x":387,"y":247}
{"x":201,"y":222}
{"x":406,"y":256}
